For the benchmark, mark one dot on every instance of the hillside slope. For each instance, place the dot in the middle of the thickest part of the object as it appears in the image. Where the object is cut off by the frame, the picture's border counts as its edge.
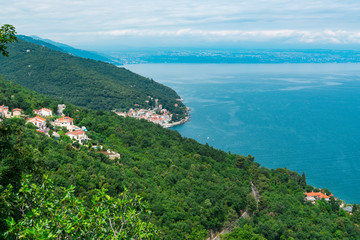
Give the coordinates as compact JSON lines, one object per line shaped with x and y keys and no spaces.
{"x":84,"y":82}
{"x":68,"y":49}
{"x":193,"y":189}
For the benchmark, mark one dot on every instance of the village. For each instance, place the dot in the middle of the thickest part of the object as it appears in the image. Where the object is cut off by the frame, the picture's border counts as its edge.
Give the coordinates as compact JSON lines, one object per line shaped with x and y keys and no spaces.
{"x":157,"y":115}
{"x":44,"y":123}
{"x":151,"y":115}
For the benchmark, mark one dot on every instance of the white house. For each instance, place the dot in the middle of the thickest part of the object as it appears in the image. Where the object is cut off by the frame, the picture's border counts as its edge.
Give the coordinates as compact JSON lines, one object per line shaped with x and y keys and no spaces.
{"x":17,"y":112}
{"x":44,"y":112}
{"x":38,"y":122}
{"x":73,"y":128}
{"x":78,"y":135}
{"x":64,"y":122}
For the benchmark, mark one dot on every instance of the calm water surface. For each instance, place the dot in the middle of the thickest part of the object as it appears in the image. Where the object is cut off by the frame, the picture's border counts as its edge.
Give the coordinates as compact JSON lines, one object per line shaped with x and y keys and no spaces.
{"x":305,"y":117}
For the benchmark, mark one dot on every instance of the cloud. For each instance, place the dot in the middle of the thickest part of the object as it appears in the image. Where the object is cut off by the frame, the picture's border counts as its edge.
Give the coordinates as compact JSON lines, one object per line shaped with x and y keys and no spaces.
{"x":325,"y":36}
{"x":74,"y":21}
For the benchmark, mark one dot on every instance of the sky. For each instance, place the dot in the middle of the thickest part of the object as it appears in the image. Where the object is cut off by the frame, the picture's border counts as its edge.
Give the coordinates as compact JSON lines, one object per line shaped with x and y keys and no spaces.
{"x":116,"y":24}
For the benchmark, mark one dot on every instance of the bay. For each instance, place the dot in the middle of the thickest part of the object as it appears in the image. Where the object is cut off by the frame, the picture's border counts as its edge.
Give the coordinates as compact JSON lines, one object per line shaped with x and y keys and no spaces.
{"x":305,"y":117}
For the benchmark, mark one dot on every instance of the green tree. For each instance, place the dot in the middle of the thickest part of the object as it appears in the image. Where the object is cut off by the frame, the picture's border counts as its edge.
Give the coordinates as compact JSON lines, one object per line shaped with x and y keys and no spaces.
{"x":45,"y":215}
{"x":334,"y":204}
{"x":245,"y":232}
{"x":251,"y":204}
{"x":302,"y":180}
{"x":7,"y":35}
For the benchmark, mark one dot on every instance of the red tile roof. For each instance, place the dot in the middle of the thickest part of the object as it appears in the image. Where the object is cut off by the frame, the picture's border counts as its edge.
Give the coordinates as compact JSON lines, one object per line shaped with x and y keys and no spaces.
{"x":316,"y":194}
{"x":17,"y":109}
{"x":77,"y":132}
{"x":65,"y":119}
{"x":37,"y":118}
{"x":46,"y":109}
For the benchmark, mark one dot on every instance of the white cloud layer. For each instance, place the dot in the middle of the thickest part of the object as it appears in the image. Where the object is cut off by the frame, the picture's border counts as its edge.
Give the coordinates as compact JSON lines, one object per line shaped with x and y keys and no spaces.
{"x":326,"y":36}
{"x":81,"y":22}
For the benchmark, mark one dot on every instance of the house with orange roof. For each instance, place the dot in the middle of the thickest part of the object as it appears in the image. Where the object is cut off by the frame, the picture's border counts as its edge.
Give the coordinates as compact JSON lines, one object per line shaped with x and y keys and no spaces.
{"x":17,"y":112}
{"x":38,"y":122}
{"x":78,"y":135}
{"x":44,"y":112}
{"x":317,"y":195}
{"x":64,"y":122}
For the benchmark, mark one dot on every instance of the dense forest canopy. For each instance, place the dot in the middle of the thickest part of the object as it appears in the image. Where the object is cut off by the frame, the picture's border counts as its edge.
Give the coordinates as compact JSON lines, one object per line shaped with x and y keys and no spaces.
{"x":68,"y":49}
{"x":192,"y":189}
{"x":84,"y":82}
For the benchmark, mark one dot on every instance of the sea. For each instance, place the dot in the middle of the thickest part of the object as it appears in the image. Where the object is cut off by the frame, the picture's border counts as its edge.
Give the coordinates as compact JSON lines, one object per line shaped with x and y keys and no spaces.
{"x":304,"y":117}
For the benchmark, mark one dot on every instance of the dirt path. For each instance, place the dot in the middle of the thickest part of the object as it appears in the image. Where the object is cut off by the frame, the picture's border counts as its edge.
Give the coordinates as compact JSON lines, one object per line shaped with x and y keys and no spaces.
{"x":216,"y":236}
{"x":255,"y":192}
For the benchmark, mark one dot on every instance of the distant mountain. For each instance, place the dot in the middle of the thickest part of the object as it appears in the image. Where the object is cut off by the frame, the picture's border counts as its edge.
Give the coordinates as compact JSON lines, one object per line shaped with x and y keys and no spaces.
{"x":68,"y":49}
{"x":84,"y":82}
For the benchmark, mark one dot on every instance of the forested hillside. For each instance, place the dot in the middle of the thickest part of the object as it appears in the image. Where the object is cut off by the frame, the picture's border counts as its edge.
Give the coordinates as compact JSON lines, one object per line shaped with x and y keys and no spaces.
{"x":192,"y":189}
{"x":67,"y":49}
{"x":84,"y":82}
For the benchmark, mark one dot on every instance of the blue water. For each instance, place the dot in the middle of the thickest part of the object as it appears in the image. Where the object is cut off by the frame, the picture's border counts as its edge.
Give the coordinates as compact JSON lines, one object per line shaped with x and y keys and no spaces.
{"x":305,"y":117}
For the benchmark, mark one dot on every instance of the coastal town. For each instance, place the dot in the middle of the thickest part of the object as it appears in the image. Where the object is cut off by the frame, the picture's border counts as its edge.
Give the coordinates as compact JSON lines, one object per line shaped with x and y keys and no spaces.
{"x":157,"y":115}
{"x":51,"y":124}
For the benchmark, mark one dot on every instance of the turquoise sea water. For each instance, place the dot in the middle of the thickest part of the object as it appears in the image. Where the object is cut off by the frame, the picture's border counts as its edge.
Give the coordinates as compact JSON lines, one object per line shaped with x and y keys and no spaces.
{"x":305,"y":117}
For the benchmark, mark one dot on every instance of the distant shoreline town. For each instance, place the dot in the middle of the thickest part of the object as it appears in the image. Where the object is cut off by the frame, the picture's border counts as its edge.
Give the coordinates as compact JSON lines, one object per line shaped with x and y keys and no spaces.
{"x":238,"y":56}
{"x":157,"y":115}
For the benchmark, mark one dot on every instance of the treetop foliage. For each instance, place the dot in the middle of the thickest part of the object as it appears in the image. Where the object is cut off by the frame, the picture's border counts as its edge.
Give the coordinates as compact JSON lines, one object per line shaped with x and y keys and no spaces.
{"x":7,"y":35}
{"x":43,"y":214}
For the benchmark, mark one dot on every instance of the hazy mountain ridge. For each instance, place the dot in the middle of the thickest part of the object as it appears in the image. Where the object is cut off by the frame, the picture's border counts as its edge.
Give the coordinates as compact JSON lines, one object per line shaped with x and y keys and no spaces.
{"x":68,"y":49}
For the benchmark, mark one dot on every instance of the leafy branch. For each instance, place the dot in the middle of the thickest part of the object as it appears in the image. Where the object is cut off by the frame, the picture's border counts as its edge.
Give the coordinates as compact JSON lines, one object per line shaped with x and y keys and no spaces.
{"x":7,"y":35}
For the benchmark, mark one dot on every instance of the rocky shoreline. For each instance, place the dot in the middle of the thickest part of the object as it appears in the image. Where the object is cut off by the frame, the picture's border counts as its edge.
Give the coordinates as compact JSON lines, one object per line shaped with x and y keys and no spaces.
{"x":182,"y":121}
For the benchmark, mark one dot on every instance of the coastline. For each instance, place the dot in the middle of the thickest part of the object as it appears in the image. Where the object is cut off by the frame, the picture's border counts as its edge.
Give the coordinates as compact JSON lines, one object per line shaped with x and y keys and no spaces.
{"x":248,"y":121}
{"x":182,"y":121}
{"x":151,"y":116}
